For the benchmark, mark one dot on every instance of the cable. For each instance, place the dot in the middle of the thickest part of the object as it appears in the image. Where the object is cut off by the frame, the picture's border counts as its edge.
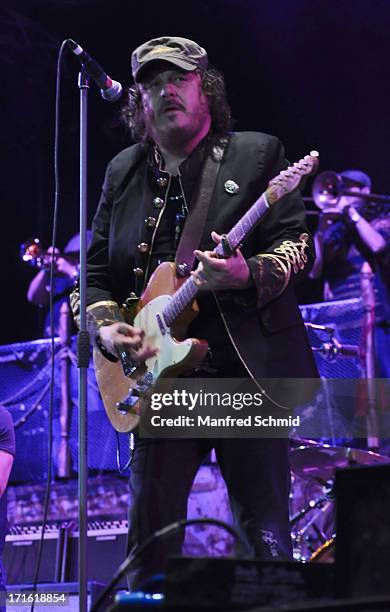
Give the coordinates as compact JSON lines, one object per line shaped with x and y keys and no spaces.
{"x":51,"y":311}
{"x":162,"y":533}
{"x":33,"y":408}
{"x":19,"y":395}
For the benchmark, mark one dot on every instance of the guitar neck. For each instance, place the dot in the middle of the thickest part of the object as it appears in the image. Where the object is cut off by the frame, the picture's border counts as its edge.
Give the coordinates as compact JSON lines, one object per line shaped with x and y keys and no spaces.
{"x":235,"y":237}
{"x":245,"y":225}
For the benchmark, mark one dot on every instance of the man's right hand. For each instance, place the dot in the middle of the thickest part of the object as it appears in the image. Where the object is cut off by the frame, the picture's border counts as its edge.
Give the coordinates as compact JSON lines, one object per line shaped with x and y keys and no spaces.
{"x":120,"y":337}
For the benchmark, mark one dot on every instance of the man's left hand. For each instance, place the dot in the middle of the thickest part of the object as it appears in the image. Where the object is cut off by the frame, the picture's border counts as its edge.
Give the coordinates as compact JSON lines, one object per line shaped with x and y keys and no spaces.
{"x":215,"y":273}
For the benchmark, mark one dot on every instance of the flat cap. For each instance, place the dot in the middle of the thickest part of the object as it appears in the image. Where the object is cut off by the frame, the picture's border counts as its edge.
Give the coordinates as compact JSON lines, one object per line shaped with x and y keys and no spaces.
{"x":182,"y":52}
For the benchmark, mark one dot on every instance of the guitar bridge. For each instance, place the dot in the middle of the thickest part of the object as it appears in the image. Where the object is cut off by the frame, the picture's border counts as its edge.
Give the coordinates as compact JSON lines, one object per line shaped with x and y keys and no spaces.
{"x":127,"y":405}
{"x":125,"y":408}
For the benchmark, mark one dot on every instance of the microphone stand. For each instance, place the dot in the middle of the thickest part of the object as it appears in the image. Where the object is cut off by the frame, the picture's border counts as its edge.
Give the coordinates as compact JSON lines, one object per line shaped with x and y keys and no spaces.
{"x":83,"y":350}
{"x":368,"y":295}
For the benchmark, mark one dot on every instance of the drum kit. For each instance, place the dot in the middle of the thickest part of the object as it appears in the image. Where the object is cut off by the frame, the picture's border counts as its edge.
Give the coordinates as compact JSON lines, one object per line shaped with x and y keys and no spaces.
{"x":312,"y":501}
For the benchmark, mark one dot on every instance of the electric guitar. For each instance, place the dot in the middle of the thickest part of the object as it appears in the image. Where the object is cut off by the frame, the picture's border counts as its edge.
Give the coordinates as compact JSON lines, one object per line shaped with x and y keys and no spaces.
{"x":167,"y":307}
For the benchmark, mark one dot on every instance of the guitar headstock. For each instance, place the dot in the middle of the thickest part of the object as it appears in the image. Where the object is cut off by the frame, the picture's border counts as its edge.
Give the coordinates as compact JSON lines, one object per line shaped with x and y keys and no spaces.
{"x":292,"y":178}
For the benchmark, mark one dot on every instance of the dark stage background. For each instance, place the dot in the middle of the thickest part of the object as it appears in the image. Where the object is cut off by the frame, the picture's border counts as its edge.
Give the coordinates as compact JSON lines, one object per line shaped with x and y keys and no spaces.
{"x":313,"y":72}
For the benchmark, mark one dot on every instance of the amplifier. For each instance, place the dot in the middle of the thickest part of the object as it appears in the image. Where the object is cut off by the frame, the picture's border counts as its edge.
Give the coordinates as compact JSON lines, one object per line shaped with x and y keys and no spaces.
{"x":106,"y":549}
{"x":21,"y":554}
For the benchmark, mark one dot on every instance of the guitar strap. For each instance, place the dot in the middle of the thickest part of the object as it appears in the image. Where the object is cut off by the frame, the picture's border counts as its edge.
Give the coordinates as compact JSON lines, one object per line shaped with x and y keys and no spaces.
{"x":199,"y":207}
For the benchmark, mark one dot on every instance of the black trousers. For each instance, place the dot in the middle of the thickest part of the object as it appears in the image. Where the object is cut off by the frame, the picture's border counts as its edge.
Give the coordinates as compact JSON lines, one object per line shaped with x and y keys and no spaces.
{"x":257,"y":476}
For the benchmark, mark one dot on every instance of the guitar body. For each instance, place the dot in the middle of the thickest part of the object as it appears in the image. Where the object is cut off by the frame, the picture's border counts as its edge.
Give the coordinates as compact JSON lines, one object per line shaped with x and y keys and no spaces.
{"x":175,"y":354}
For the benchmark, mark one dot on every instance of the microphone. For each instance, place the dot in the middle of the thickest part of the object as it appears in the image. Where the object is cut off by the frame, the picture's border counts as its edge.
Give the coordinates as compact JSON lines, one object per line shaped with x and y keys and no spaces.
{"x":333,"y":349}
{"x":110,"y":90}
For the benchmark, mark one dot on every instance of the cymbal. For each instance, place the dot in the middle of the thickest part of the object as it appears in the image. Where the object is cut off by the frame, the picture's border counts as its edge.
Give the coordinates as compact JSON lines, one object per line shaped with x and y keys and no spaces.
{"x":299,"y":442}
{"x":322,"y":460}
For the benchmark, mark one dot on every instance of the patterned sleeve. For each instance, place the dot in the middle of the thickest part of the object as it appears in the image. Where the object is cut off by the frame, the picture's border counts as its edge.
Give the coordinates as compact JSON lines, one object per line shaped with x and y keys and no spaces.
{"x":287,"y":252}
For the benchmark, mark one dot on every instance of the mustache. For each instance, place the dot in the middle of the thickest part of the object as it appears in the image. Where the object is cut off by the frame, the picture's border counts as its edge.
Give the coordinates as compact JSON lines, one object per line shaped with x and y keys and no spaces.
{"x":171,"y":104}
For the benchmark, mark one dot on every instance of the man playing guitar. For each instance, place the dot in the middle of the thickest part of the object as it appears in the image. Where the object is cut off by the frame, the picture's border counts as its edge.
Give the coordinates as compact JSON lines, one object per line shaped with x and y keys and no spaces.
{"x":248,"y":314}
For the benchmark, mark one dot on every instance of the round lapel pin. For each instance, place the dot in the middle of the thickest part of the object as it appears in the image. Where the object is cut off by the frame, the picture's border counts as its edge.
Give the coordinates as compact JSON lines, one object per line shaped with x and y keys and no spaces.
{"x":231,"y":187}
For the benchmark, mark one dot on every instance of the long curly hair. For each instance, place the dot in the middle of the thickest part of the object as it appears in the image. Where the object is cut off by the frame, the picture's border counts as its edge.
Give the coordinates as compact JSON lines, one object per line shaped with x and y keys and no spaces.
{"x":213,"y":86}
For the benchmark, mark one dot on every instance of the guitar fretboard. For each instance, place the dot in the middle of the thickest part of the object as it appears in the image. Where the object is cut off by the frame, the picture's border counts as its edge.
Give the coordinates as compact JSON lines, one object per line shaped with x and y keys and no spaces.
{"x":237,"y":234}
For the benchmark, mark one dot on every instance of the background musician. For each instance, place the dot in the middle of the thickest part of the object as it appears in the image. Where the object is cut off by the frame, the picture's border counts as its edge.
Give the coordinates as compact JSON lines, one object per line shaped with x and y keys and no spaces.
{"x":355,"y":232}
{"x":66,"y":271}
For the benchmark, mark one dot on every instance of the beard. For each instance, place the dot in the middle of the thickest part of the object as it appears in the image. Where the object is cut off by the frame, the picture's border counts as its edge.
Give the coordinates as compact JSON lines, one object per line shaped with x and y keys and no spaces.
{"x":179,"y":127}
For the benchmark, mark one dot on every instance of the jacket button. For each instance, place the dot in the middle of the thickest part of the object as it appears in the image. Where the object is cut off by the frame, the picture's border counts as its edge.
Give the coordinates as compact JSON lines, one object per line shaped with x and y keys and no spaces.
{"x":138,"y":271}
{"x":162,"y":182}
{"x":150,"y":221}
{"x":158,"y":202}
{"x":143,"y":247}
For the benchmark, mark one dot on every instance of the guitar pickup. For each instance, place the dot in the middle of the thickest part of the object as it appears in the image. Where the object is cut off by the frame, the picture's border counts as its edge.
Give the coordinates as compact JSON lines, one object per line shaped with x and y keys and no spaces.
{"x":161,"y":324}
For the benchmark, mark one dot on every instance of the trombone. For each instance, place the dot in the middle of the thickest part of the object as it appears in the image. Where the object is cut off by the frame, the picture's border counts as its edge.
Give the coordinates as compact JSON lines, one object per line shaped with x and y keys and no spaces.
{"x":329,"y":187}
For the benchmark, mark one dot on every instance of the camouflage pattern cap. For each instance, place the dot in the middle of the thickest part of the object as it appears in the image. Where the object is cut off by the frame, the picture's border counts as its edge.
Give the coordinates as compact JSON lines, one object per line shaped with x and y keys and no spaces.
{"x":182,"y":52}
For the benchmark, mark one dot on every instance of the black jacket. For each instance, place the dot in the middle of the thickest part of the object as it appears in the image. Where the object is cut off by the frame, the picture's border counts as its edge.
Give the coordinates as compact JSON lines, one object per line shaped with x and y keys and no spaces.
{"x":264,"y":322}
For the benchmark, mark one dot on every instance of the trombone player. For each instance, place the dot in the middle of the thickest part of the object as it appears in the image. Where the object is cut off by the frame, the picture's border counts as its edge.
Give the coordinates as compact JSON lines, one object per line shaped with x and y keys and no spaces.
{"x":352,"y":244}
{"x":350,"y":231}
